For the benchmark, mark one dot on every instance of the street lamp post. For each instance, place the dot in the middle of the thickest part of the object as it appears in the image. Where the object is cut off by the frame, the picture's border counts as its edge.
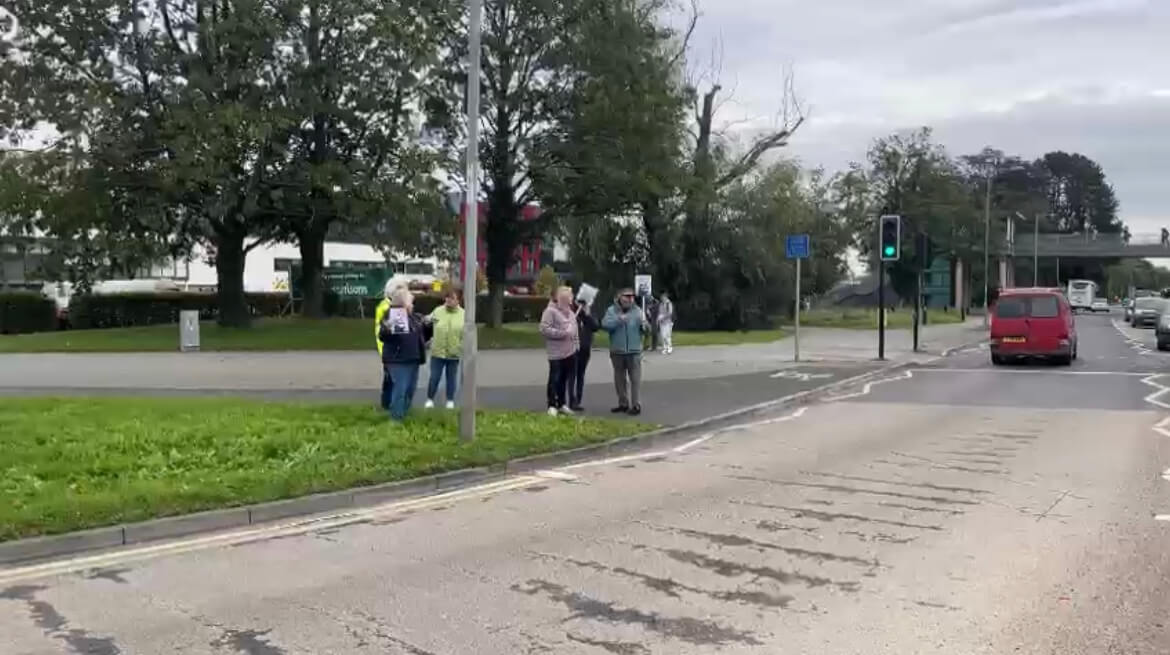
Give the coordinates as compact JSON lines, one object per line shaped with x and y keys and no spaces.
{"x":471,"y":225}
{"x":986,"y":251}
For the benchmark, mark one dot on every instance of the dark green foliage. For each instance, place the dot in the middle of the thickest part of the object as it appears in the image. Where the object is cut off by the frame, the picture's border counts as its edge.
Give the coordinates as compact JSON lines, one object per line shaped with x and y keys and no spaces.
{"x":130,"y":309}
{"x":24,"y":312}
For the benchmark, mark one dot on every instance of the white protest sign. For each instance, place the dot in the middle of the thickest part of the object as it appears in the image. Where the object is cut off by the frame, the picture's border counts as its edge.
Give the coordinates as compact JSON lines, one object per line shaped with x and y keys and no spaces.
{"x":586,"y":294}
{"x":642,"y":286}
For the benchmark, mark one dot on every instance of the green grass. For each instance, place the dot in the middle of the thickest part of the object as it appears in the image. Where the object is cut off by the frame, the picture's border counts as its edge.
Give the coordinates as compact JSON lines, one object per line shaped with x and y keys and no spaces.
{"x":69,"y":463}
{"x":279,"y":334}
{"x":862,"y":319}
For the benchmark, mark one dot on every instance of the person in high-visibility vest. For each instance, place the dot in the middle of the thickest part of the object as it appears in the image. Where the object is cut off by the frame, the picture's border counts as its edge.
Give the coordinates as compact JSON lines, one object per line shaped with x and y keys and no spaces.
{"x":395,"y":283}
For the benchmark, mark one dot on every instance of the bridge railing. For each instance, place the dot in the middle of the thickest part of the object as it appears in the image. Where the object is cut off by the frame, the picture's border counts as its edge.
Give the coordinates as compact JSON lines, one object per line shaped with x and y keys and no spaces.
{"x":1025,"y":243}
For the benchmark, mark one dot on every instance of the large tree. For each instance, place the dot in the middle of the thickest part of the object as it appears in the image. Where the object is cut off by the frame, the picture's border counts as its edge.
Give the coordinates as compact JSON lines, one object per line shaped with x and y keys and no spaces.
{"x":176,"y":97}
{"x":908,"y":174}
{"x":359,"y":75}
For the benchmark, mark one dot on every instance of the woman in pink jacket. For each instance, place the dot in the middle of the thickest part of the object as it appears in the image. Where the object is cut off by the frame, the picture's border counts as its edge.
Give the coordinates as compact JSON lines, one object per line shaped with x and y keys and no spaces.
{"x":558,"y":325}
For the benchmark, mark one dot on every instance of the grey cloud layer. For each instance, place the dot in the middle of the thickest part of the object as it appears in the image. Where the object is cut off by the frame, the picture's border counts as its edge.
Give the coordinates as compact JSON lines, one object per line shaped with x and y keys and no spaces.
{"x":1023,"y":75}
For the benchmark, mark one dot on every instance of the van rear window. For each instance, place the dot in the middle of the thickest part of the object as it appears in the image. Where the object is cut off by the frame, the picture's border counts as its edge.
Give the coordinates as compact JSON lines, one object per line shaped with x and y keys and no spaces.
{"x":1030,"y":306}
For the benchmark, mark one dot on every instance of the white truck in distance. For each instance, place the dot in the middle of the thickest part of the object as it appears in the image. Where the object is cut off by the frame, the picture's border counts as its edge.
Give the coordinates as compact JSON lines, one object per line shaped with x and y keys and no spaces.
{"x":1081,"y":294}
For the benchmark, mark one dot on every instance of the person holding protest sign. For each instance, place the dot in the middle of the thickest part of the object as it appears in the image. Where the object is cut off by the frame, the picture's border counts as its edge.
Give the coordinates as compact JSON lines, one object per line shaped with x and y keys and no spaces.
{"x":395,"y":283}
{"x":586,"y":326}
{"x":626,"y":324}
{"x":404,"y":336}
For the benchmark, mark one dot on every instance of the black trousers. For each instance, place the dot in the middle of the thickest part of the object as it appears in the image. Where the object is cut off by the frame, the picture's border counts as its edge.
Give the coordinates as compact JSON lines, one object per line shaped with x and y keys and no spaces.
{"x":577,"y":387}
{"x":560,"y":373}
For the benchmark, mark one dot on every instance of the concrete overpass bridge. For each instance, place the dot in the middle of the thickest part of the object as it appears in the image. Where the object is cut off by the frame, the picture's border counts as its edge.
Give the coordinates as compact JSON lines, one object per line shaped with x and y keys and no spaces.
{"x":1100,"y":246}
{"x":1066,"y":249}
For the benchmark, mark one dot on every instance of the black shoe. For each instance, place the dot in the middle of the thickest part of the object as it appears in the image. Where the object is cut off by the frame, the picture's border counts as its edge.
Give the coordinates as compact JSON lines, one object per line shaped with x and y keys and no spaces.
{"x":577,"y":408}
{"x":635,"y":410}
{"x":620,"y":409}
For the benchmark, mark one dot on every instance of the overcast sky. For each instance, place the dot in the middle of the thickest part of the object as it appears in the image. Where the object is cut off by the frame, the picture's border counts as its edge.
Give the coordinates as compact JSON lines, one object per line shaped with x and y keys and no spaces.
{"x":1024,"y":76}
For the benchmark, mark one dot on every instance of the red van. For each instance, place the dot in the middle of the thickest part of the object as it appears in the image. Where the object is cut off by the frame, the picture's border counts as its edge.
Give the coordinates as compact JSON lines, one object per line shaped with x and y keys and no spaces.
{"x":1033,"y":323}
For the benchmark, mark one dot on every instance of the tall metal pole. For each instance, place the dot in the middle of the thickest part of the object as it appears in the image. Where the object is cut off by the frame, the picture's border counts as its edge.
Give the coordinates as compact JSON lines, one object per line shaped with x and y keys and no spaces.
{"x":881,"y":309}
{"x":917,"y":306}
{"x":986,"y":251}
{"x":1036,"y":254}
{"x":471,"y":226}
{"x":796,"y":317}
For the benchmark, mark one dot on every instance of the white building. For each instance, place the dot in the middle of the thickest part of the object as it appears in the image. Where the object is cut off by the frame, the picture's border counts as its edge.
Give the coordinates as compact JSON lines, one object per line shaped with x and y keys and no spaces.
{"x":267,"y":267}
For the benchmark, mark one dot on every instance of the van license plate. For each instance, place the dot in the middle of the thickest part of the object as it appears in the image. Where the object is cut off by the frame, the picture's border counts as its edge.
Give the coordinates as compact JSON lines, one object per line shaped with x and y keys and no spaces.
{"x":1014,"y":339}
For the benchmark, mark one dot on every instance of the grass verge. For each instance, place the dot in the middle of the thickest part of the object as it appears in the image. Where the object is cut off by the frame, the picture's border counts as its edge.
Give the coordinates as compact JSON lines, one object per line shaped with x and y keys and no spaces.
{"x":285,"y":334}
{"x":866,"y":319}
{"x":73,"y":463}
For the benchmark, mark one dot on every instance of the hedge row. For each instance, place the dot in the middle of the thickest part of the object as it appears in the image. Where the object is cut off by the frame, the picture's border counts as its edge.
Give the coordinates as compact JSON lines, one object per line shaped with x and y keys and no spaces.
{"x":130,"y":309}
{"x":22,"y":312}
{"x":124,"y":310}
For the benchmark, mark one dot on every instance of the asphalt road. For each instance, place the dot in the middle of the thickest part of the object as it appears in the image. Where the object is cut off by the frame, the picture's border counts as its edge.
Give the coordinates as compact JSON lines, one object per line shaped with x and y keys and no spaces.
{"x":953,"y":508}
{"x":665,"y":402}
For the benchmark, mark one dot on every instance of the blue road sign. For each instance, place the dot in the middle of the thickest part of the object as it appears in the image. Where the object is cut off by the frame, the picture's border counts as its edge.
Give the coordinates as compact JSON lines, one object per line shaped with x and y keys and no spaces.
{"x":796,"y":246}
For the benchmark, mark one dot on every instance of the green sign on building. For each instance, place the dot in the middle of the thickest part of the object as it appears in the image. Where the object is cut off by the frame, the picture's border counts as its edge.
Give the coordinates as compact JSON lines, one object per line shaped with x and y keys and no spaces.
{"x":347,"y":282}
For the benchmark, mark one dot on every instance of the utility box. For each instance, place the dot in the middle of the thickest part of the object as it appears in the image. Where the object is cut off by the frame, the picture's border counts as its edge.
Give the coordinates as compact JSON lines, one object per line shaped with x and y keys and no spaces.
{"x":189,"y":331}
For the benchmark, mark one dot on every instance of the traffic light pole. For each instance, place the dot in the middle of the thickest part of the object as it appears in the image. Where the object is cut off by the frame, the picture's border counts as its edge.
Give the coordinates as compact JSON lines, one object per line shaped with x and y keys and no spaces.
{"x":881,"y":309}
{"x":917,"y":306}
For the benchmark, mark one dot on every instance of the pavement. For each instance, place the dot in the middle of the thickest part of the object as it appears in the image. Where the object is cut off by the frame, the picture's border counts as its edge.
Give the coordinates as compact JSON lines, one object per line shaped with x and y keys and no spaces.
{"x":690,"y":384}
{"x":950,"y":507}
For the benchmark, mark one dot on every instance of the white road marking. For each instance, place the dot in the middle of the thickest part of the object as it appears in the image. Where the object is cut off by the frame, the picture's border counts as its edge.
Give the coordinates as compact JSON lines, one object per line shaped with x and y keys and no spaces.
{"x":1025,"y":371}
{"x":1152,"y":381}
{"x":1162,"y":517}
{"x":300,"y":526}
{"x":797,"y":375}
{"x":678,"y":450}
{"x":1163,"y":428}
{"x":556,"y":475}
{"x":1166,"y":475}
{"x":905,"y":375}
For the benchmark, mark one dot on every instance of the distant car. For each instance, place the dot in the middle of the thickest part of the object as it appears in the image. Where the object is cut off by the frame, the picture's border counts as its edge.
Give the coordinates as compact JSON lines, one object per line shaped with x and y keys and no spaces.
{"x":1162,"y":329}
{"x":1100,"y":305}
{"x":1033,"y":323}
{"x":1146,"y":312}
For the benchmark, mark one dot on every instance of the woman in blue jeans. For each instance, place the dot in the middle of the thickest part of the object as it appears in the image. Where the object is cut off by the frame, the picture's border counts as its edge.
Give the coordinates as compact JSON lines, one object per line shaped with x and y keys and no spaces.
{"x":404,"y":337}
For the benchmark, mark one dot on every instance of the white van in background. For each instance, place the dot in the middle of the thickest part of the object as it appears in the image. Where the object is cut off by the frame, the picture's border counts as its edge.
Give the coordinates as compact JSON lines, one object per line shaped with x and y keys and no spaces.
{"x":1081,"y":294}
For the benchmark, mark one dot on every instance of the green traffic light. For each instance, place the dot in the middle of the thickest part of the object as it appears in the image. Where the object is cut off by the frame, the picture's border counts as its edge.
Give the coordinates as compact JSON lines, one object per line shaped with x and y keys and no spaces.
{"x":889,"y":251}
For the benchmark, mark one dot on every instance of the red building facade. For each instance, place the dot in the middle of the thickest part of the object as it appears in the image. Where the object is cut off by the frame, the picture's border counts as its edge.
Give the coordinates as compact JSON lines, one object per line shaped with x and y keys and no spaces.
{"x":527,"y":257}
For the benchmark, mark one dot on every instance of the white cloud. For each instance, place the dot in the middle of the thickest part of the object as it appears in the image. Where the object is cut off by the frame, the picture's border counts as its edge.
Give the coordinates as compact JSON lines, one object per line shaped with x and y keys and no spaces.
{"x":1025,"y":76}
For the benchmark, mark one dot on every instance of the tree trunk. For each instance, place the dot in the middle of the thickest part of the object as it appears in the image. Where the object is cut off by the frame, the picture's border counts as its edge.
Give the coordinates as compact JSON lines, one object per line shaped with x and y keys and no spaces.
{"x":495,"y":316}
{"x":312,"y":245}
{"x":229,"y":273}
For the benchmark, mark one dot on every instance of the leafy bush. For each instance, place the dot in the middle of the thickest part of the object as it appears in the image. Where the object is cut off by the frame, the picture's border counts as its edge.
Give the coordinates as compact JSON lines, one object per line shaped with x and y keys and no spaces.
{"x":129,"y":309}
{"x":517,"y":309}
{"x":22,"y":312}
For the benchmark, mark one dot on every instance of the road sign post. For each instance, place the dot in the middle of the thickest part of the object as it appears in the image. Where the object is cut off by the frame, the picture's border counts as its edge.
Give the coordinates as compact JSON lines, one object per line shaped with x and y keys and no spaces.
{"x":796,"y":246}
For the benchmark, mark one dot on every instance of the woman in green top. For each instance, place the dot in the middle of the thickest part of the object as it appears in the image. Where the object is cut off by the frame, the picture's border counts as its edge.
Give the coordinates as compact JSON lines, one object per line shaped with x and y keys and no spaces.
{"x":446,"y":347}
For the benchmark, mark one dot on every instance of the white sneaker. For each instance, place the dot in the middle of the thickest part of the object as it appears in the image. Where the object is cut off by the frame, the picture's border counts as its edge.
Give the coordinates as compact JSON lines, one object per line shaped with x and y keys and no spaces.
{"x":552,"y":411}
{"x":450,"y":404}
{"x":567,"y":412}
{"x":430,"y":404}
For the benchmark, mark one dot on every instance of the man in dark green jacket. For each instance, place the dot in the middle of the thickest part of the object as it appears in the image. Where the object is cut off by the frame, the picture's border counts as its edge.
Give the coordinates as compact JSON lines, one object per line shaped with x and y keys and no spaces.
{"x":626,"y":324}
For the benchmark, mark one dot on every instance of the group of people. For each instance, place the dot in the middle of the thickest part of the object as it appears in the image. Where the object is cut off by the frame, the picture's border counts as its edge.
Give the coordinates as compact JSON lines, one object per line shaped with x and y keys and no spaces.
{"x":567,"y":326}
{"x":403,"y":348}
